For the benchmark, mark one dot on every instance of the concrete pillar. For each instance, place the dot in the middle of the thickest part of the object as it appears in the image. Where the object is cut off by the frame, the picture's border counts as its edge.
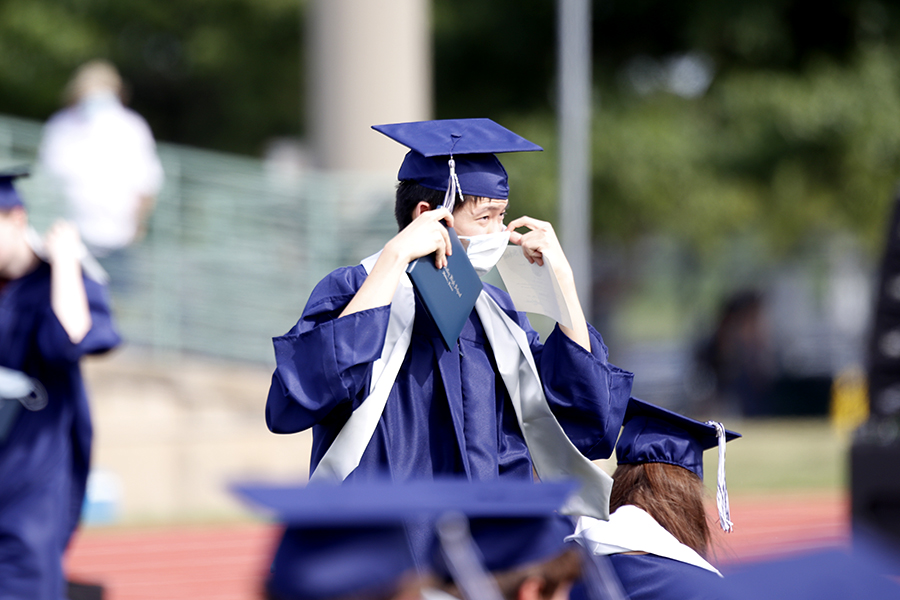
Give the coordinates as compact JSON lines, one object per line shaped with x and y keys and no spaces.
{"x":574,"y":68}
{"x":369,"y":62}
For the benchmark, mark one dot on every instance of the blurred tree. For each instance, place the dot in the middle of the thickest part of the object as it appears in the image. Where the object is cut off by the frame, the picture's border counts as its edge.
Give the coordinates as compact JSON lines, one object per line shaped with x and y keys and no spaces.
{"x":713,"y":118}
{"x":221,"y":74}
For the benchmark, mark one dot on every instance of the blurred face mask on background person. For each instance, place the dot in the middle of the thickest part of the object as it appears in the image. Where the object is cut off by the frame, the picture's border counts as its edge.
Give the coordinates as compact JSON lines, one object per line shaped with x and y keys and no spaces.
{"x":485,"y":250}
{"x":97,"y":102}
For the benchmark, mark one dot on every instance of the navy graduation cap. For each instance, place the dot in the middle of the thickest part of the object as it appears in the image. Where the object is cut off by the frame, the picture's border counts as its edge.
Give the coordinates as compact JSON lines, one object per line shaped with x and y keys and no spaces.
{"x":651,"y":434}
{"x":510,"y":524}
{"x":458,"y":153}
{"x":9,"y":197}
{"x":355,"y":538}
{"x":338,"y":541}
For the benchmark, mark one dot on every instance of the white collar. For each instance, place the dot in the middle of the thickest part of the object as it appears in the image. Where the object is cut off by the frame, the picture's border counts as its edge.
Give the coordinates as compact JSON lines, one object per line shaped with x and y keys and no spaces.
{"x":631,"y":529}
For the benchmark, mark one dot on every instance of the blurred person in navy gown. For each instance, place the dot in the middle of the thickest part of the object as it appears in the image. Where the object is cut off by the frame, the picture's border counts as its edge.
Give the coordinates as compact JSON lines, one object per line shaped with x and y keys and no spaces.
{"x":50,"y":316}
{"x":448,"y":410}
{"x":657,"y":539}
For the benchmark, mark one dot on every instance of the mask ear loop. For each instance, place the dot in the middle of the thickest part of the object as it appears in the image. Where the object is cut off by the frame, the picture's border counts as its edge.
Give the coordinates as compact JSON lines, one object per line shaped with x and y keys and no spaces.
{"x":721,"y":489}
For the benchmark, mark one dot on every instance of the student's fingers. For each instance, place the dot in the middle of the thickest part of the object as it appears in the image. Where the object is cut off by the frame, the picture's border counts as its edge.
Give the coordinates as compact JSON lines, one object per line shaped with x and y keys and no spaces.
{"x":62,"y":239}
{"x":533,"y":256}
{"x":442,"y":247}
{"x":442,"y":214}
{"x":530,"y":223}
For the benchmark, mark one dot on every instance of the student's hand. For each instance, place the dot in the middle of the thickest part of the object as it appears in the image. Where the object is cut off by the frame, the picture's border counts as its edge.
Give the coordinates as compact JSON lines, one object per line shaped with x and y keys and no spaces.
{"x":68,"y":297}
{"x":538,"y":242}
{"x":426,"y":234}
{"x":62,"y":243}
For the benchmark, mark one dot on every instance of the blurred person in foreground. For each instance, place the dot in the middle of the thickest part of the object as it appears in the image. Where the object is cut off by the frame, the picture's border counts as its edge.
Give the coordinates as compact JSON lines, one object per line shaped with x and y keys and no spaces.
{"x":488,"y":540}
{"x":464,"y":408}
{"x":658,"y":537}
{"x":104,"y":157}
{"x":50,"y":316}
{"x":521,"y":558}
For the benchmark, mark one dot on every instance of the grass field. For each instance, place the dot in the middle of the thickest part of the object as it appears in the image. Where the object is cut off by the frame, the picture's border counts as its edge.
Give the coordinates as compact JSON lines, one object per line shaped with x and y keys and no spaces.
{"x":782,"y":455}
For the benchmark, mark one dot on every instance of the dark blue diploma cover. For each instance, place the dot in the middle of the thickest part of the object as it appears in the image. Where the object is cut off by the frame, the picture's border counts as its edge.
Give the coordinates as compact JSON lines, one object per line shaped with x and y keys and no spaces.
{"x":449,"y":294}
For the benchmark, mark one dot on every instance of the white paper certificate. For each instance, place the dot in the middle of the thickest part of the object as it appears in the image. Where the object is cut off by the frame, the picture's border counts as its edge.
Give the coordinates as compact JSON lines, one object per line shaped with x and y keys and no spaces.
{"x":533,"y":288}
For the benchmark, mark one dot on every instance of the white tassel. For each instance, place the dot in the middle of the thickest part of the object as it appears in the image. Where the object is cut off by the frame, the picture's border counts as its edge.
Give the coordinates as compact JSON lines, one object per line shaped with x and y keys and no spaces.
{"x":721,"y":489}
{"x":453,"y":188}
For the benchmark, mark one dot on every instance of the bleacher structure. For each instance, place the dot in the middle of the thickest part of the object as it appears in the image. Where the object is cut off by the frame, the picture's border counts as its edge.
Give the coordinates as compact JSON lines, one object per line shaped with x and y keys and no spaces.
{"x":234,"y":247}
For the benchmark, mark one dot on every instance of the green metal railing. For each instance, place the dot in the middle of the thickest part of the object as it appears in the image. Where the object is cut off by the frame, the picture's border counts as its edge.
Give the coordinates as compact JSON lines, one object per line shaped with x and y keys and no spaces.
{"x":233,"y":249}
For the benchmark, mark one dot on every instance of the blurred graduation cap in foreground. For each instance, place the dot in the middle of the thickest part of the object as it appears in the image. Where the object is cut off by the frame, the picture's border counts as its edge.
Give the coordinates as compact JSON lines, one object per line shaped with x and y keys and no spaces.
{"x":338,"y":541}
{"x":509,"y":528}
{"x":355,"y":538}
{"x":470,"y":143}
{"x":652,"y":434}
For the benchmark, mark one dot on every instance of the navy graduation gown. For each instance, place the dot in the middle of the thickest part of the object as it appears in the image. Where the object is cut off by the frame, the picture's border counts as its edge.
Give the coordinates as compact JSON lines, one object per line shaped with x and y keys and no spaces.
{"x":45,"y":459}
{"x":448,"y":411}
{"x":651,"y":577}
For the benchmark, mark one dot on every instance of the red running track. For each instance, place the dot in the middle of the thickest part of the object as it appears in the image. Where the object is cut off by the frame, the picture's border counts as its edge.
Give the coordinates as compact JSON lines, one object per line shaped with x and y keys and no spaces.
{"x":229,"y":562}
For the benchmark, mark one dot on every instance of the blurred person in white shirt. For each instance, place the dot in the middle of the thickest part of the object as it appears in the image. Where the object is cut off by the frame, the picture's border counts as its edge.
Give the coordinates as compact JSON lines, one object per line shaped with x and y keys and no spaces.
{"x":104,"y":156}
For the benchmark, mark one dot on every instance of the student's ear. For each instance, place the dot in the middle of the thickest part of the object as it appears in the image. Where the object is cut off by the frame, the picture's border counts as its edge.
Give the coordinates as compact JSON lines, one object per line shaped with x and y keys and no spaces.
{"x":531,"y":588}
{"x":421,"y":207}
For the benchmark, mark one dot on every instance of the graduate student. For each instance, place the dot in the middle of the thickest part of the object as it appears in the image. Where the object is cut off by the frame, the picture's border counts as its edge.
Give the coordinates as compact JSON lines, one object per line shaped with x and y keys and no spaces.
{"x":50,"y":316}
{"x":496,"y":403}
{"x":657,"y":537}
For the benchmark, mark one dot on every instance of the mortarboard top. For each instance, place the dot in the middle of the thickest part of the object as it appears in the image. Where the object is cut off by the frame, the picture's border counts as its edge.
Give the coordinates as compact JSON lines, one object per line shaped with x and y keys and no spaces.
{"x":9,"y":197}
{"x":472,"y":143}
{"x":653,"y":434}
{"x":352,"y":504}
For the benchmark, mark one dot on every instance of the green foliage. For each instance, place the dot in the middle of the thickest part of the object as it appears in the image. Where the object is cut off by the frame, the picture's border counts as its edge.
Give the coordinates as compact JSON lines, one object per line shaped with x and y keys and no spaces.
{"x":788,"y":155}
{"x":796,"y":136}
{"x":222,"y":74}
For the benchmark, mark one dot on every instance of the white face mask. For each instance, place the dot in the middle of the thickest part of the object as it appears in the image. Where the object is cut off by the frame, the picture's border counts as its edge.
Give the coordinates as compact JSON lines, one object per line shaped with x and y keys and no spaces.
{"x":485,"y":250}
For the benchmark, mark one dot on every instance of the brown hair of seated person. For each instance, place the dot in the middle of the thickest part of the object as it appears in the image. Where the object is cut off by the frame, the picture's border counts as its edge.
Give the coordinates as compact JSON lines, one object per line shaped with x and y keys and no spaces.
{"x":670,"y":494}
{"x":539,"y":581}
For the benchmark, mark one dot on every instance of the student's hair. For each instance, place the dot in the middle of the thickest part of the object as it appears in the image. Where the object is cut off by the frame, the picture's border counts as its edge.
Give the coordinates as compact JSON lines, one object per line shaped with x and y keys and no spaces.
{"x":670,"y":494}
{"x":410,"y":193}
{"x":563,"y":568}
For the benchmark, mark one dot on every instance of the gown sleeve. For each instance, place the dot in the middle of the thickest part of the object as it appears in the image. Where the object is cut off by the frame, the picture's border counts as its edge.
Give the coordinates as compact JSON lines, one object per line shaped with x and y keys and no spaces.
{"x":54,"y":343}
{"x":325,"y":362}
{"x":587,"y":394}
